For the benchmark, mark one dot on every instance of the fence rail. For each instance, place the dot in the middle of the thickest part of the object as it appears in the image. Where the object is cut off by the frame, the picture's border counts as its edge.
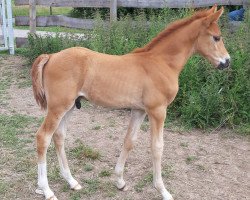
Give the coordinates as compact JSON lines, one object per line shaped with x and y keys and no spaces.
{"x":133,"y":3}
{"x":56,"y":20}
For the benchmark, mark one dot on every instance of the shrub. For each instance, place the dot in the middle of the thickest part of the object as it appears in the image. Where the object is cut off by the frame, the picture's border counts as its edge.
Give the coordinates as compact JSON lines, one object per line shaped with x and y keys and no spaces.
{"x":121,"y":12}
{"x":38,"y":44}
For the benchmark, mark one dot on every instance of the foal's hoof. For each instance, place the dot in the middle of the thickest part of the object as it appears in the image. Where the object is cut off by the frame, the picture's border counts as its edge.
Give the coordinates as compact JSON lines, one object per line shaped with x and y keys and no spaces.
{"x":39,"y":191}
{"x":77,"y":187}
{"x":169,"y":197}
{"x":123,"y":188}
{"x":52,"y":198}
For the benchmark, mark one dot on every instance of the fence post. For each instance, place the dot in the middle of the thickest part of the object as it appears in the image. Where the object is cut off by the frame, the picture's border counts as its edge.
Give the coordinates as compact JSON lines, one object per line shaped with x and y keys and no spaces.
{"x":4,"y":27}
{"x":32,"y":4}
{"x":113,"y":10}
{"x":10,"y":28}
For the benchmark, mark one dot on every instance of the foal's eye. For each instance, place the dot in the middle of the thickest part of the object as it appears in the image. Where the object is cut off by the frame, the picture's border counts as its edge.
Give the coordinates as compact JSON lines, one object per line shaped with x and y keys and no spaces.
{"x":216,"y":38}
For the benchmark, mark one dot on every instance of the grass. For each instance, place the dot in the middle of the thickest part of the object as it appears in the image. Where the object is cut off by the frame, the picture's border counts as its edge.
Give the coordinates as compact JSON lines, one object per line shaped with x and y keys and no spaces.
{"x":105,"y":173}
{"x":145,"y":126}
{"x":16,"y":137}
{"x":95,"y":186}
{"x":40,"y":10}
{"x":148,"y":178}
{"x":24,"y":78}
{"x":85,"y":104}
{"x":167,"y":172}
{"x":54,"y":173}
{"x":82,"y":151}
{"x":109,"y":189}
{"x":6,"y":78}
{"x":184,"y":144}
{"x":15,"y":142}
{"x":112,"y":123}
{"x":3,"y":187}
{"x":91,"y":186}
{"x":191,"y":159}
{"x":96,"y":127}
{"x":75,"y":196}
{"x":88,"y":167}
{"x":20,"y":77}
{"x":12,"y":127}
{"x":54,"y":29}
{"x":201,"y":168}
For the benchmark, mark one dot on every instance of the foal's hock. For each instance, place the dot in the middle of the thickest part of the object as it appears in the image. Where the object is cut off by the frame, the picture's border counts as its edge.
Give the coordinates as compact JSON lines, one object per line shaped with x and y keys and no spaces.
{"x":145,"y":80}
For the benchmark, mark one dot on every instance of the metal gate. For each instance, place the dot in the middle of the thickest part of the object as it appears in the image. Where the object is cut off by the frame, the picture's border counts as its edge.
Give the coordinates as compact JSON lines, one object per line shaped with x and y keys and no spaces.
{"x":6,"y":30}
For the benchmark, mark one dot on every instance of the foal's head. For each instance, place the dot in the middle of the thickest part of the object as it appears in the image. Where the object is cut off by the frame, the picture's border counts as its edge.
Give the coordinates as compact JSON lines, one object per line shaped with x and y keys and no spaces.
{"x":210,"y":43}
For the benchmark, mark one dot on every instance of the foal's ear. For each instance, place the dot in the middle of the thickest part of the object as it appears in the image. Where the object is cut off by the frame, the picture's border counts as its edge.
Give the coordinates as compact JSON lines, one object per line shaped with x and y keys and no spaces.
{"x":212,"y":10}
{"x":213,"y":17}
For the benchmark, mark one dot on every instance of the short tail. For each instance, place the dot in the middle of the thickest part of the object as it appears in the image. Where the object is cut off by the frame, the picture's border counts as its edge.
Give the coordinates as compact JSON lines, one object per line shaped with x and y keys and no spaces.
{"x":37,"y":80}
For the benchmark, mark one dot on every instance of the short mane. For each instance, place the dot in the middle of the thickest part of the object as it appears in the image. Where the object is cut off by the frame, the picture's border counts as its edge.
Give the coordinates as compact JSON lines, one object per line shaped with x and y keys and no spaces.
{"x":170,"y":29}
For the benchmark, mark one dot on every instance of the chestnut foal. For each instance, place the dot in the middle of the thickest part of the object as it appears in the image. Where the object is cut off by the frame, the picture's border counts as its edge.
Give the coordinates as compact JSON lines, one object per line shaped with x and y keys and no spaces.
{"x":145,"y":80}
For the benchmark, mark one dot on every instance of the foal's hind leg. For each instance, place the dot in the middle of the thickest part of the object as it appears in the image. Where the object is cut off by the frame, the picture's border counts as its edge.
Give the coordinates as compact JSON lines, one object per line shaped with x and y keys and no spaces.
{"x":137,"y":117}
{"x":59,"y":137}
{"x":43,"y":139}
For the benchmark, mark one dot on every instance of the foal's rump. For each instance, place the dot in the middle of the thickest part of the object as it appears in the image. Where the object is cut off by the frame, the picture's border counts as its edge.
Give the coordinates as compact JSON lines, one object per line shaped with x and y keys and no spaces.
{"x":107,"y":80}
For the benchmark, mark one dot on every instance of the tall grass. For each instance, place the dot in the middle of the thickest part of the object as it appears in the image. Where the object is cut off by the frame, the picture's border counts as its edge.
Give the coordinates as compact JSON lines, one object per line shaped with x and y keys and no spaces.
{"x":207,"y":97}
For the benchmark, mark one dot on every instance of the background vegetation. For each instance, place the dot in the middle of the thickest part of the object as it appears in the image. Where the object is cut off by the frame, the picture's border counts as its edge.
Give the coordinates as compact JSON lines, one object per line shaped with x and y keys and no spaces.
{"x":207,"y":97}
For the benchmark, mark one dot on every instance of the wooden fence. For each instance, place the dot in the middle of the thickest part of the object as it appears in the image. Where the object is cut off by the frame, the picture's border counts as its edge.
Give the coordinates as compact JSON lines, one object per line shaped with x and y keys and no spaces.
{"x":60,"y":20}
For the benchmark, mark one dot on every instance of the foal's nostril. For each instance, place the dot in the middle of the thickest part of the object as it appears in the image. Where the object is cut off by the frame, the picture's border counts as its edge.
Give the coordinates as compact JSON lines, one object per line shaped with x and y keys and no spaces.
{"x":224,"y":65}
{"x":227,"y":63}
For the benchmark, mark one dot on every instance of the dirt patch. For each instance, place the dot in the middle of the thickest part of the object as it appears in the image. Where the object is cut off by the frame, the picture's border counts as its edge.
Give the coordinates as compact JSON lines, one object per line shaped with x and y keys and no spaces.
{"x":196,"y":165}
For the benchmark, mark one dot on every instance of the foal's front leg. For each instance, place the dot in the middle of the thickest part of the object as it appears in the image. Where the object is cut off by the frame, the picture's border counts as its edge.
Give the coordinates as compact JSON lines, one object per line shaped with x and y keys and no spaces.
{"x":137,"y":117}
{"x":157,"y":117}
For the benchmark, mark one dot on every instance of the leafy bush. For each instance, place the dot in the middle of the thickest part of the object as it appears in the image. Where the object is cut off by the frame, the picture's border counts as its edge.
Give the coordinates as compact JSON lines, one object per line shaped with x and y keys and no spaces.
{"x":38,"y":44}
{"x":104,"y":12}
{"x":207,"y":97}
{"x":123,"y":12}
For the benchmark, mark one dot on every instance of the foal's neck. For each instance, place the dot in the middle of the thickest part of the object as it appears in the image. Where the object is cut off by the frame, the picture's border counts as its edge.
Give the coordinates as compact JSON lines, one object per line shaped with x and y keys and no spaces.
{"x":178,"y":47}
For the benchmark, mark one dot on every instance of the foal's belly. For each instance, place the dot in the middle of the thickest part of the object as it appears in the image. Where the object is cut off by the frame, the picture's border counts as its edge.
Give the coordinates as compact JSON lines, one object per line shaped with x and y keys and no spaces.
{"x":114,"y":100}
{"x":115,"y":95}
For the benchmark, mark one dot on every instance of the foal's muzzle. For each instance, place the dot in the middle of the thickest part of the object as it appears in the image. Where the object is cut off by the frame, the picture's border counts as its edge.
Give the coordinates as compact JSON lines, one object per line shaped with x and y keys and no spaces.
{"x":224,"y":65}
